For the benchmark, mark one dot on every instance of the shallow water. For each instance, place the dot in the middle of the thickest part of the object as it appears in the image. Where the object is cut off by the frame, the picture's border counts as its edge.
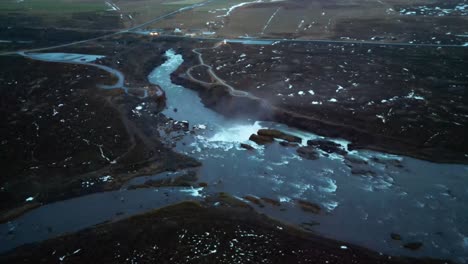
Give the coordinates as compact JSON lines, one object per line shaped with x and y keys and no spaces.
{"x":251,"y":41}
{"x":79,"y":213}
{"x":422,"y":201}
{"x":84,"y":59}
{"x":65,"y":57}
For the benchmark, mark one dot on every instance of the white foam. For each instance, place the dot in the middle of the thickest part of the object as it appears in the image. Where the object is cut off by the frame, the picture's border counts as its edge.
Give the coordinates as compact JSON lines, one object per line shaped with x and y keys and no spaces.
{"x":106,"y":178}
{"x":331,"y":188}
{"x":281,"y":163}
{"x":330,"y":206}
{"x":195,"y":192}
{"x":236,"y":133}
{"x":411,"y":95}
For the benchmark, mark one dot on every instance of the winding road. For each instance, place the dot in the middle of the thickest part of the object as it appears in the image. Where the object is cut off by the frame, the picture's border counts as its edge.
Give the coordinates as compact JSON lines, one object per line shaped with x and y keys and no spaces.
{"x":233,"y":91}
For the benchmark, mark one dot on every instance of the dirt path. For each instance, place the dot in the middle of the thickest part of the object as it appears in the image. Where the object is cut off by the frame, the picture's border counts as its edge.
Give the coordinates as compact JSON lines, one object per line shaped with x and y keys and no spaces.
{"x":218,"y":81}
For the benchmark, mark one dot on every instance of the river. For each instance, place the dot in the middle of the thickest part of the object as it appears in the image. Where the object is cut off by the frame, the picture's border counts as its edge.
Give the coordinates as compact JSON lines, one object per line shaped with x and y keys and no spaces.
{"x":422,"y":201}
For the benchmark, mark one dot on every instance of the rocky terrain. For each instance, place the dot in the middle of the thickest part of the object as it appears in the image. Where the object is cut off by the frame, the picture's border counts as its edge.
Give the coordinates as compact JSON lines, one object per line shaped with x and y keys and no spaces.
{"x":378,"y":97}
{"x":63,"y":137}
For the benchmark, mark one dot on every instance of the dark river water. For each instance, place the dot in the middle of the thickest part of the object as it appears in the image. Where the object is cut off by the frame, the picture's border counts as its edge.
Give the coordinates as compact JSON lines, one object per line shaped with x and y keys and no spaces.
{"x":422,"y":201}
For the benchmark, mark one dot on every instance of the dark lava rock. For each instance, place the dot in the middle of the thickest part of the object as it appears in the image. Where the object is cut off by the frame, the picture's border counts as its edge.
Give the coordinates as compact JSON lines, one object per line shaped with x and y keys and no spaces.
{"x":395,"y":236}
{"x":327,"y":146}
{"x":185,"y":125}
{"x":278,"y":134}
{"x":309,"y":225}
{"x":308,"y":153}
{"x":288,"y":144}
{"x":362,"y":171}
{"x":354,"y":160}
{"x":271,"y":201}
{"x":388,"y":162}
{"x":358,"y":166}
{"x":261,"y":140}
{"x":309,"y":207}
{"x":185,"y":180}
{"x":413,"y":245}
{"x":254,"y":200}
{"x":219,"y":98}
{"x":246,"y":146}
{"x":181,"y":126}
{"x":156,"y":93}
{"x":139,"y":92}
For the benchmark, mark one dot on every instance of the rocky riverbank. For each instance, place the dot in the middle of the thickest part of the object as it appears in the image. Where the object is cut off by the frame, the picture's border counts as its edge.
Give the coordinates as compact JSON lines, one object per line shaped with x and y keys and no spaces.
{"x":190,"y":232}
{"x":358,"y":119}
{"x":64,"y":137}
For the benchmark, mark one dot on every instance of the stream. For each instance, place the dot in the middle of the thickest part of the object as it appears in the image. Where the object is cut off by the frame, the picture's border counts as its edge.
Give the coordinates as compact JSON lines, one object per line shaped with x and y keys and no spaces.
{"x":422,"y":201}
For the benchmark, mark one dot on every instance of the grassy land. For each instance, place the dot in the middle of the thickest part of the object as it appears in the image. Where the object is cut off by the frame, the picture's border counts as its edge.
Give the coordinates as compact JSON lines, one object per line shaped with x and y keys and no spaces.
{"x":184,"y":2}
{"x":198,"y":17}
{"x":51,"y":6}
{"x":86,"y":14}
{"x":221,"y":4}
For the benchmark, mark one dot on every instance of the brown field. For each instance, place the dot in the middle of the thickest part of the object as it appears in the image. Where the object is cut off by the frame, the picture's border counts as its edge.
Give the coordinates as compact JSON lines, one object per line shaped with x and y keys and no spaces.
{"x":382,"y":20}
{"x":355,"y":20}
